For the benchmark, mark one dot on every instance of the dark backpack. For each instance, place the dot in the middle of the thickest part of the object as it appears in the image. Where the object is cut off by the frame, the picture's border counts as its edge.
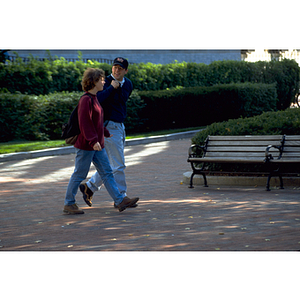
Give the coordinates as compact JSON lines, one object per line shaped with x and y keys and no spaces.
{"x":71,"y":130}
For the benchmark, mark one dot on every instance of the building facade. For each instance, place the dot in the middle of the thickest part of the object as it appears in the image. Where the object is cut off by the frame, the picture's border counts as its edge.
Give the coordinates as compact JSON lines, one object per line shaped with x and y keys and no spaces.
{"x":139,"y":56}
{"x":165,"y":56}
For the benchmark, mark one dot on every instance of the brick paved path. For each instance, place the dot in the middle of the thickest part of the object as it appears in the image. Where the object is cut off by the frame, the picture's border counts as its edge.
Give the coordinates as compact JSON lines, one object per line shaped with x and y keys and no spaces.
{"x":170,"y":216}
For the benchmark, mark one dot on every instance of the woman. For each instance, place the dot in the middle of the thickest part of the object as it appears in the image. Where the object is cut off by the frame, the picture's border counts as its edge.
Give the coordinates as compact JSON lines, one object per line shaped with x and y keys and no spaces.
{"x":90,"y":145}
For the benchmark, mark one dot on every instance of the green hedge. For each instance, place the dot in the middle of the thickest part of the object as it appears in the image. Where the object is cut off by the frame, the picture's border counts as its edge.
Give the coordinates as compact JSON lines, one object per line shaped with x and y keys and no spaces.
{"x":27,"y":117}
{"x":198,"y":106}
{"x":40,"y":117}
{"x":268,"y":123}
{"x":44,"y":77}
{"x":56,"y":75}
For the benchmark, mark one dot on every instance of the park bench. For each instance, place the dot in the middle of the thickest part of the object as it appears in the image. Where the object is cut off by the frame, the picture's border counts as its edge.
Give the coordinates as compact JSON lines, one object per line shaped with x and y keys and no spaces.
{"x":254,"y":149}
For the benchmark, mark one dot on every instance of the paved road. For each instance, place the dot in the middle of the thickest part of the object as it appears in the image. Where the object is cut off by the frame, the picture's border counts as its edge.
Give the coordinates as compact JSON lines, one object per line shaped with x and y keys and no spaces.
{"x":170,"y":216}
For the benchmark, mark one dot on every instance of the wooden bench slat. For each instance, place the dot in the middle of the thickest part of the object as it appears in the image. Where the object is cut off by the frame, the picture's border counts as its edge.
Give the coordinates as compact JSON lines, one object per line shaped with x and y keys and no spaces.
{"x":227,"y":159}
{"x":286,"y":155}
{"x":286,"y":160}
{"x":246,"y":137}
{"x":291,"y":143}
{"x":291,"y":149}
{"x":239,"y":154}
{"x":246,"y":143}
{"x":292,"y":137}
{"x":236,"y":149}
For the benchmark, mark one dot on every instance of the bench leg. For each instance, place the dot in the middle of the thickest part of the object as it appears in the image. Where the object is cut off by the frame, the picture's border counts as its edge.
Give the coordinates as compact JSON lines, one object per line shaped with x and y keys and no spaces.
{"x":268,"y":183}
{"x":276,"y":173}
{"x":191,"y":181}
{"x":205,"y":181}
{"x":281,"y":182}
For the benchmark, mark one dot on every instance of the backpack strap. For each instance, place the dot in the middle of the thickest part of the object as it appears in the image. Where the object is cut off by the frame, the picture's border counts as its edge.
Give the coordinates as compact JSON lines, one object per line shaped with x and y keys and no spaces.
{"x":86,"y":93}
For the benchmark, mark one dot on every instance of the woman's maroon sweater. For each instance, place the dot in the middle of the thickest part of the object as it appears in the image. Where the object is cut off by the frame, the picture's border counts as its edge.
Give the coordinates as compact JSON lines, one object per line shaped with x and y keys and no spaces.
{"x":90,"y":118}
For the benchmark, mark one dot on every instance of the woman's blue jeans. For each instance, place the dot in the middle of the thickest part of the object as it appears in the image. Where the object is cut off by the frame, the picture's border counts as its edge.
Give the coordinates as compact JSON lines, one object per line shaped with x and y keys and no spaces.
{"x":115,"y":150}
{"x":82,"y":166}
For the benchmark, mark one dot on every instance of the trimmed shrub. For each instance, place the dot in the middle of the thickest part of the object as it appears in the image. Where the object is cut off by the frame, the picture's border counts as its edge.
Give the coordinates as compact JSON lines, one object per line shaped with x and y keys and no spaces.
{"x":192,"y":107}
{"x":21,"y":117}
{"x":268,"y":123}
{"x":57,"y":75}
{"x":26,"y":117}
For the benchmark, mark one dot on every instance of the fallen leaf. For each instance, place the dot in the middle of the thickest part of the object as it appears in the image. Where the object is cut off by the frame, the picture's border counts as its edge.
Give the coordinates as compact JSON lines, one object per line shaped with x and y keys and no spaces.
{"x":130,"y":234}
{"x":267,"y":240}
{"x":221,"y":233}
{"x":148,"y":210}
{"x":146,"y":235}
{"x":187,"y":228}
{"x":154,"y":218}
{"x":244,"y":228}
{"x":70,"y":246}
{"x":38,"y":241}
{"x":190,"y":217}
{"x":272,"y":222}
{"x":247,"y":246}
{"x":217,"y":249}
{"x":113,"y":239}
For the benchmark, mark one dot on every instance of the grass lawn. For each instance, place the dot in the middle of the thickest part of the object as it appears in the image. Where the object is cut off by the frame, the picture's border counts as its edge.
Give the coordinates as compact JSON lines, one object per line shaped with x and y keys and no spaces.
{"x":25,"y":146}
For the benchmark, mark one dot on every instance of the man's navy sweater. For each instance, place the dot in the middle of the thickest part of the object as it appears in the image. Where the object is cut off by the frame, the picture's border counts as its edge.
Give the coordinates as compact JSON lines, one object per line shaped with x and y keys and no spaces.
{"x":114,"y":100}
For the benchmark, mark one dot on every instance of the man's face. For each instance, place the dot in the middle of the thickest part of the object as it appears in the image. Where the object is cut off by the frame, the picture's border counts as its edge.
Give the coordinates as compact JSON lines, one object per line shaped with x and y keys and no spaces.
{"x":118,"y":72}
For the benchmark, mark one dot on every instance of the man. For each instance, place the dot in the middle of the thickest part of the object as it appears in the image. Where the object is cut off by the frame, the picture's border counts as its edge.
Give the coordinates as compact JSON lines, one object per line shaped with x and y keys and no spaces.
{"x":113,"y":98}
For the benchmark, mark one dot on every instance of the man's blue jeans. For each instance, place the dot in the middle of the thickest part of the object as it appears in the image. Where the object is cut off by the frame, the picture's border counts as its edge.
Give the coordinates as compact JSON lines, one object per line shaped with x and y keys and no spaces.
{"x":115,"y":151}
{"x":82,"y":166}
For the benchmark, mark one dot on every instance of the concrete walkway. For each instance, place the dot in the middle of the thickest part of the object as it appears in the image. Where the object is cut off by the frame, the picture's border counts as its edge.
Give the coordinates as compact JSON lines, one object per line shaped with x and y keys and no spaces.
{"x":170,"y":216}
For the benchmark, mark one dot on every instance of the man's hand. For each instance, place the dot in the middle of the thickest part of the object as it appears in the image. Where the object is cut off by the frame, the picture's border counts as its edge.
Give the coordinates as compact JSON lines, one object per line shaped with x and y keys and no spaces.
{"x":115,"y":84}
{"x":97,"y":147}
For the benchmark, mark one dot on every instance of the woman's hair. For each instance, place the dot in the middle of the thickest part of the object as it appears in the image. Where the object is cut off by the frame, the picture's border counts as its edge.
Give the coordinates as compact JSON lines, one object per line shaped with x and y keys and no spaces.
{"x":90,"y":77}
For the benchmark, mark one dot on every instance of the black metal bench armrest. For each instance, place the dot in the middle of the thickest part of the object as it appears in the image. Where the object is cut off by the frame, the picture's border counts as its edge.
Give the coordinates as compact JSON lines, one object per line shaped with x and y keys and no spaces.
{"x":196,"y":150}
{"x":268,"y":156}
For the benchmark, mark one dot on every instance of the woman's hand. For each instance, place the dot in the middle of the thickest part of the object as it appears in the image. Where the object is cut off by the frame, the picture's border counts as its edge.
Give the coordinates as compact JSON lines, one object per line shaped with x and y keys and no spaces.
{"x":97,"y":147}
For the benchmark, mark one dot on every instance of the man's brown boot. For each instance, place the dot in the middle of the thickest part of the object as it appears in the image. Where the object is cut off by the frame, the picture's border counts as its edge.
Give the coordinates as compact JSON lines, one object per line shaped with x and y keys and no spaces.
{"x":87,"y":194}
{"x":72,"y":209}
{"x":126,"y":203}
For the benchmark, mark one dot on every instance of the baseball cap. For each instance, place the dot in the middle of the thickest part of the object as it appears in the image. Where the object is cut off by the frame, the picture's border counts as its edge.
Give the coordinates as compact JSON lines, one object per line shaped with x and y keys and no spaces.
{"x":121,"y":62}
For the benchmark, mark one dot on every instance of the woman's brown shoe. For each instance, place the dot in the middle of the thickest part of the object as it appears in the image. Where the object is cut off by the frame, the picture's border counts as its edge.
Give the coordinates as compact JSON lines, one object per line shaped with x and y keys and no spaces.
{"x":72,"y":209}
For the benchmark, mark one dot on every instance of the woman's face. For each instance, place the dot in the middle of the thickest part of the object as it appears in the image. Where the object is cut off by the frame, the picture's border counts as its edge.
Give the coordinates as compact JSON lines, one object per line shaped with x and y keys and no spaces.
{"x":99,"y":84}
